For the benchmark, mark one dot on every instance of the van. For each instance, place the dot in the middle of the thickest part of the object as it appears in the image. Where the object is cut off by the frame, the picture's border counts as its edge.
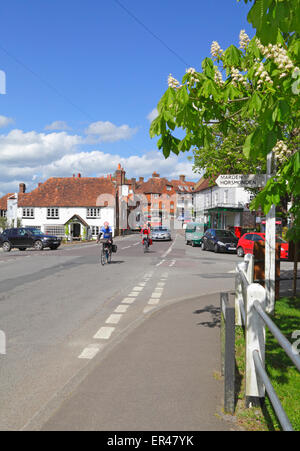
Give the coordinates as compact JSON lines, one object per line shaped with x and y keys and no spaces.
{"x":193,"y":233}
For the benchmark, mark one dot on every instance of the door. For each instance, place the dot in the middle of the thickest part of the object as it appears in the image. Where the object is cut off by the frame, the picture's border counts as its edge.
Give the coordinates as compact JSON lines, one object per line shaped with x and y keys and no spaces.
{"x":76,"y":230}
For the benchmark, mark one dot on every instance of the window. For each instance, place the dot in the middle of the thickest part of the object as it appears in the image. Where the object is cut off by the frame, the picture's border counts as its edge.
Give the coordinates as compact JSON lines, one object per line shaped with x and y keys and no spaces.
{"x":155,"y":196}
{"x":169,"y":188}
{"x":52,"y":213}
{"x":56,"y":230}
{"x":93,"y":213}
{"x":28,"y":213}
{"x":95,"y":230}
{"x":226,"y":196}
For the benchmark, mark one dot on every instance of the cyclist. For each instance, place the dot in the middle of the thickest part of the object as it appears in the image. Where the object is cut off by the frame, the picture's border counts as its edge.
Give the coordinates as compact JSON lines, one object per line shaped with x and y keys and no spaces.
{"x":106,"y":231}
{"x":145,"y":232}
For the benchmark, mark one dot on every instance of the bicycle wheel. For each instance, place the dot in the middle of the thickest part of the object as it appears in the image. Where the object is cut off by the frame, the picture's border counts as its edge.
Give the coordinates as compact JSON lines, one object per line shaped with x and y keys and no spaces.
{"x":146,"y":245}
{"x":103,"y":257}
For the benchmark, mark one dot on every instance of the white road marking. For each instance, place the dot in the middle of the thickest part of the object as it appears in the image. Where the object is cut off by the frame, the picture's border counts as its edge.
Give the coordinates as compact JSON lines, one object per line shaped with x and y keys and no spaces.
{"x":137,"y":289}
{"x":153,"y":301}
{"x":172,"y":263}
{"x":169,"y":250}
{"x":160,"y":263}
{"x":121,"y":309}
{"x":142,"y":284}
{"x":90,"y":352}
{"x":161,"y":284}
{"x":128,"y":300}
{"x":156,"y":295}
{"x":104,"y":333}
{"x":113,"y":319}
{"x":133,"y":294}
{"x":126,"y":247}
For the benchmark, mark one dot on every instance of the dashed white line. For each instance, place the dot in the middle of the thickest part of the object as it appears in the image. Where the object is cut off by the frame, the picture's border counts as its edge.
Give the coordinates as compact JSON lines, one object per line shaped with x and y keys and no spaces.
{"x":121,"y":309}
{"x":128,"y":300}
{"x":153,"y":301}
{"x":90,"y":352}
{"x":114,"y":318}
{"x":104,"y":333}
{"x":160,"y":263}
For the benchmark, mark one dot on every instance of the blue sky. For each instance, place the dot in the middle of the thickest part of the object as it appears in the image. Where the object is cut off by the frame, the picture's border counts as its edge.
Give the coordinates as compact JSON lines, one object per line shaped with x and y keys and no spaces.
{"x":82,"y":78}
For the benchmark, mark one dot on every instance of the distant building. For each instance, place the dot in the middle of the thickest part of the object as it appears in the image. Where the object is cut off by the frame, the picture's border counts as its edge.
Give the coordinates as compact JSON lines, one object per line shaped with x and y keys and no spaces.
{"x":222,"y":207}
{"x":76,"y":207}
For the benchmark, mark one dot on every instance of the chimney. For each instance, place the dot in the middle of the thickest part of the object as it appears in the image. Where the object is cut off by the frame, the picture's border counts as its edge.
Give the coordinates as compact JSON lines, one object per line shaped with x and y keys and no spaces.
{"x":141,"y":179}
{"x":155,"y":174}
{"x":22,"y":188}
{"x":133,"y":183}
{"x":120,"y":176}
{"x":182,"y":178}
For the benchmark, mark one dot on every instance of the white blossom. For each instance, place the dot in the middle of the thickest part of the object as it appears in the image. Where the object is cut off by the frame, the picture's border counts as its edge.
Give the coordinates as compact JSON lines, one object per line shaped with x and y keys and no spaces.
{"x":237,"y":77}
{"x":263,"y":76}
{"x":281,"y":151}
{"x":218,"y":77}
{"x":172,"y":82}
{"x":278,"y":54}
{"x":216,"y":50}
{"x":244,"y":40}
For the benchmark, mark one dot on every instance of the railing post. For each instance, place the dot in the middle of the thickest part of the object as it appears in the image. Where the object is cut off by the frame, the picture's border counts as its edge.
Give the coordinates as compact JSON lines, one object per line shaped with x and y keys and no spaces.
{"x":240,"y":267}
{"x":255,"y":341}
{"x":249,"y":260}
{"x":228,"y":352}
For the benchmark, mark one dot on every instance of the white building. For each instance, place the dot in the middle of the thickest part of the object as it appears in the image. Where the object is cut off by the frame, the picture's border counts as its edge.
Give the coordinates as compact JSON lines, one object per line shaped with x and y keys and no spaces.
{"x":222,"y":207}
{"x":71,"y":207}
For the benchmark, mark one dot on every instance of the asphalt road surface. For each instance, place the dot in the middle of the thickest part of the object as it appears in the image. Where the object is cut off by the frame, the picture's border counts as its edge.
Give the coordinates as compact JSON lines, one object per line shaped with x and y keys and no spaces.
{"x":59,"y":310}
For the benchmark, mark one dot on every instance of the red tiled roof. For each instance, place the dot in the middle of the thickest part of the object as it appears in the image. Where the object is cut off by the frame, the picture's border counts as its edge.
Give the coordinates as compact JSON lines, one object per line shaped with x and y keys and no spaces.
{"x":68,"y":192}
{"x":154,"y":185}
{"x":3,"y":201}
{"x":203,"y":184}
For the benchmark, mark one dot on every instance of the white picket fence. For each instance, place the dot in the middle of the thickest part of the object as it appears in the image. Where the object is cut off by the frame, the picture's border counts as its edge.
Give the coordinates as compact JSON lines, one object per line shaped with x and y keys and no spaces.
{"x":250,"y":312}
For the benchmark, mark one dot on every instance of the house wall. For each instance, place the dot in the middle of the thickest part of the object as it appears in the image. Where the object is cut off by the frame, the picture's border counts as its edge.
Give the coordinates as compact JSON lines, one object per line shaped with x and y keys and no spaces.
{"x":65,"y":214}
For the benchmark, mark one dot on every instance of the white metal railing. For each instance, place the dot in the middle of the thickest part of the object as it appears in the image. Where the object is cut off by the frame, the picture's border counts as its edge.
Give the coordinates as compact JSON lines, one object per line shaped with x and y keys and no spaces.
{"x":250,"y":312}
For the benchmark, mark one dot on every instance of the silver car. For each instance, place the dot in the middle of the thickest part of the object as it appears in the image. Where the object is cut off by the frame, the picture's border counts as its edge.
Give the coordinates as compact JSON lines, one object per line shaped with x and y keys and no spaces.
{"x":161,"y":234}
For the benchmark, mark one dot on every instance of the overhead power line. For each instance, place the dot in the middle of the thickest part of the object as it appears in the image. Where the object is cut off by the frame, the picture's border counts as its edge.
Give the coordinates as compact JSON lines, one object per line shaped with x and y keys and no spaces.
{"x":136,"y":19}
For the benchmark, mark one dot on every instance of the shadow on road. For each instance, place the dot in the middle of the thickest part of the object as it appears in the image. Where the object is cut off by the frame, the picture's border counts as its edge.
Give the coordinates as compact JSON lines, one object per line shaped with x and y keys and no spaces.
{"x":215,"y":316}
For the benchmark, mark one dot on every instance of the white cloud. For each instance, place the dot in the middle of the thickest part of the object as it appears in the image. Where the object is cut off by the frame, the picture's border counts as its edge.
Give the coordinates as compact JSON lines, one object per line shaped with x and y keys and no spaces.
{"x":19,"y":149}
{"x":33,"y":157}
{"x":5,"y":121}
{"x":108,"y":132}
{"x":58,"y":126}
{"x":152,"y":115}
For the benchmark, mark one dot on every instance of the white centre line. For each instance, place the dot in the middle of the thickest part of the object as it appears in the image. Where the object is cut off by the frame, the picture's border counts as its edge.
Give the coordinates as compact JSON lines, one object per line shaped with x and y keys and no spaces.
{"x":121,"y":309}
{"x":104,"y":333}
{"x":160,"y":263}
{"x":113,"y":318}
{"x":128,"y":300}
{"x":90,"y":352}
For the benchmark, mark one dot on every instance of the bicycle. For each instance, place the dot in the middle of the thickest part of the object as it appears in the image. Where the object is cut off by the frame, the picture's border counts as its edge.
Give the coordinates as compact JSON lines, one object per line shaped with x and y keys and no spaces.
{"x":146,"y":244}
{"x":106,"y":252}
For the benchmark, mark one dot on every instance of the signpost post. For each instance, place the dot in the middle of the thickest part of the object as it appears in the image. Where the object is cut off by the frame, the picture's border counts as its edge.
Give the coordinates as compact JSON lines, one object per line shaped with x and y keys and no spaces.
{"x":259,"y":181}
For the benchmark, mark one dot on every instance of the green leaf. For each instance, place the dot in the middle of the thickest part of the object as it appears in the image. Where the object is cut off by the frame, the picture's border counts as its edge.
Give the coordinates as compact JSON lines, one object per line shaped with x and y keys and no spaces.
{"x":233,"y":56}
{"x":208,"y":68}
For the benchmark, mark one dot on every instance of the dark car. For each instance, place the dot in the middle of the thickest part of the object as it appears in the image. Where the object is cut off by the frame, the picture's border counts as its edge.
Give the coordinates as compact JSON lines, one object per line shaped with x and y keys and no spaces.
{"x":219,"y":240}
{"x":24,"y":237}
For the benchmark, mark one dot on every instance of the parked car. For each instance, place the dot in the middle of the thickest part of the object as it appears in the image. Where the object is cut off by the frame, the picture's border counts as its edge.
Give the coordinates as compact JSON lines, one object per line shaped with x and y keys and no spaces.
{"x":194,"y":233}
{"x":219,"y":240}
{"x":160,"y":234}
{"x":246,"y":244}
{"x":24,"y":237}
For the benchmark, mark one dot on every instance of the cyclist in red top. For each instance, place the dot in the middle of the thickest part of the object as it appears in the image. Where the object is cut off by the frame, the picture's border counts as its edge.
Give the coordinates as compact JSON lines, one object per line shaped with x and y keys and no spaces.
{"x":145,"y":232}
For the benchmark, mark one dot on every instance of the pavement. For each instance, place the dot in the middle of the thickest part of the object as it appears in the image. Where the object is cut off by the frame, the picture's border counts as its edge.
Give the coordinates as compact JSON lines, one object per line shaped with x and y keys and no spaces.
{"x":133,"y":345}
{"x":162,"y":377}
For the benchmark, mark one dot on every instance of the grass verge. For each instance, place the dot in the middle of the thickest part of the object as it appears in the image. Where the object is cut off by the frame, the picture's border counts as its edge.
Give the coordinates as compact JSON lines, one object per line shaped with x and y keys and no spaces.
{"x":284,"y":376}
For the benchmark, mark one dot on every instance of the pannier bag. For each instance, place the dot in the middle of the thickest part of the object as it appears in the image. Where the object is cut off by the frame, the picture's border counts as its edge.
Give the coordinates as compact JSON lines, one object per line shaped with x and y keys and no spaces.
{"x":114,"y":248}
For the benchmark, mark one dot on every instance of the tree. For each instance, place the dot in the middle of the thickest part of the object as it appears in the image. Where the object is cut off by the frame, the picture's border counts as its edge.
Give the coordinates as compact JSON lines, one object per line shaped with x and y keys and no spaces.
{"x":256,"y":84}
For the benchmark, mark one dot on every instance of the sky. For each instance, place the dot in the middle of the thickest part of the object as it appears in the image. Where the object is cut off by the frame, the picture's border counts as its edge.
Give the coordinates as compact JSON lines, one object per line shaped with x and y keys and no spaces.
{"x":83,"y":78}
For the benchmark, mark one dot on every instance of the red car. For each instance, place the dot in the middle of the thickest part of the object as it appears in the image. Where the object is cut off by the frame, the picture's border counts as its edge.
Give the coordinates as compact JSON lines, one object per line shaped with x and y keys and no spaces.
{"x":246,"y":243}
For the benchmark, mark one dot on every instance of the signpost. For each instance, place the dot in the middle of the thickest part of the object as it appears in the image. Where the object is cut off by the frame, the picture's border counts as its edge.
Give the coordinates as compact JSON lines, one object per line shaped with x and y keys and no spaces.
{"x":259,"y":181}
{"x":241,"y":180}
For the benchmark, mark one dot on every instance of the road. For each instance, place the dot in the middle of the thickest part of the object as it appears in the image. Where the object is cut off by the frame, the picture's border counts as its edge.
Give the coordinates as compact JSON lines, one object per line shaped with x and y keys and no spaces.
{"x":60,"y":310}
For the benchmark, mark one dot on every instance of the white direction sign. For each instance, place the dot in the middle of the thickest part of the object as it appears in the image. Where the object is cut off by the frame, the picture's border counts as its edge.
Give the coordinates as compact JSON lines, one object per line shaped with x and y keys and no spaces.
{"x":241,"y":180}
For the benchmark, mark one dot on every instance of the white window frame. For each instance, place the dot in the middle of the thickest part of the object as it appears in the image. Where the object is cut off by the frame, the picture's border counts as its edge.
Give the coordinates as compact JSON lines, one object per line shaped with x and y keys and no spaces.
{"x":93,"y":212}
{"x":28,"y":213}
{"x":52,"y":213}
